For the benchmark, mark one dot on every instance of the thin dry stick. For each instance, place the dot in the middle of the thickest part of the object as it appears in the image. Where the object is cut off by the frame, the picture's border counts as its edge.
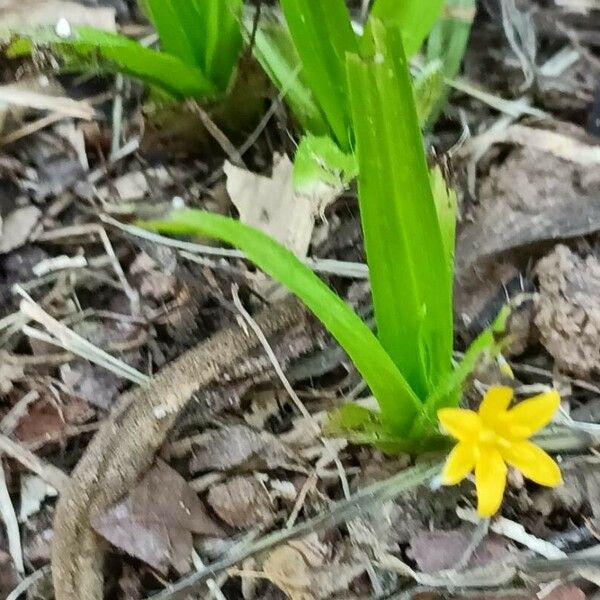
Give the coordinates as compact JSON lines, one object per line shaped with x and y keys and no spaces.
{"x":11,"y":524}
{"x":11,"y":419}
{"x":28,"y":582}
{"x":32,"y":127}
{"x":69,"y":340}
{"x":213,"y":587}
{"x":91,"y":229}
{"x":217,"y":134}
{"x":289,"y":389}
{"x":49,"y":473}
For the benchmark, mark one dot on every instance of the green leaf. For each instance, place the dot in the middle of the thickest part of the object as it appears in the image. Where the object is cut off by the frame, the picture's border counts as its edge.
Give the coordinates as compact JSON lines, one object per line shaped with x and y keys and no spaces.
{"x":414,"y":17}
{"x":410,"y":282}
{"x":322,"y":35}
{"x":318,"y":161}
{"x":448,"y":391}
{"x":204,"y":33}
{"x":354,"y":420}
{"x":276,"y":53}
{"x":173,"y":28}
{"x":448,"y":42}
{"x":110,"y":52}
{"x":427,"y":86}
{"x":360,"y":425}
{"x":447,"y":206}
{"x":398,"y":403}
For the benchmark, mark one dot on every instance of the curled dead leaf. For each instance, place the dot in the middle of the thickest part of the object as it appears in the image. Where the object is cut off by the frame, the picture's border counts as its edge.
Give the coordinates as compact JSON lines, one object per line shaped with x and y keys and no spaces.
{"x":156,"y":521}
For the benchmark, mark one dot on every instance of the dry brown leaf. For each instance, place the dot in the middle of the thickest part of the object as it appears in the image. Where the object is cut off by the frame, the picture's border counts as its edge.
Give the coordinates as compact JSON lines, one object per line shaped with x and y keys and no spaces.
{"x":242,"y":502}
{"x":531,"y":197}
{"x":17,"y":226}
{"x":269,"y":204}
{"x":567,"y":310}
{"x":438,"y":550}
{"x":156,"y":521}
{"x":42,"y":421}
{"x":20,"y":13}
{"x":237,"y":446}
{"x":294,"y":570}
{"x":9,"y":577}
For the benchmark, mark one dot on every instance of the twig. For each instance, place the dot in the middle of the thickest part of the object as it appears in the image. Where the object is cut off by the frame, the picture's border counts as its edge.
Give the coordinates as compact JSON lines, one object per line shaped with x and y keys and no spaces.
{"x":28,"y":582}
{"x":64,"y":337}
{"x":218,"y":135}
{"x":481,"y":530}
{"x":49,"y":473}
{"x":516,"y":532}
{"x":211,"y":584}
{"x":98,"y":230}
{"x":117,"y":115}
{"x":11,"y":419}
{"x":30,"y":128}
{"x":9,"y":517}
{"x":289,"y":389}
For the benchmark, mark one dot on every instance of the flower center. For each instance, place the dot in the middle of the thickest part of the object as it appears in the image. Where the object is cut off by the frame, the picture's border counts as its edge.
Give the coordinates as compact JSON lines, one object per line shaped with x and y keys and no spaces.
{"x":487,"y":436}
{"x":490,"y":437}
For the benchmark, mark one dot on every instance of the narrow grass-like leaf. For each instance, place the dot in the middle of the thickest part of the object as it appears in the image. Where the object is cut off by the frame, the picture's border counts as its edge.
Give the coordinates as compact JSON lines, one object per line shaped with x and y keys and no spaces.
{"x":410,"y":282}
{"x":447,"y":393}
{"x":447,"y":42}
{"x":414,"y":17}
{"x":427,"y":87}
{"x":223,"y":38}
{"x":447,"y":206}
{"x":322,"y":34}
{"x":110,"y":52}
{"x":205,"y":33}
{"x":173,"y":27}
{"x":275,"y":51}
{"x":399,"y":405}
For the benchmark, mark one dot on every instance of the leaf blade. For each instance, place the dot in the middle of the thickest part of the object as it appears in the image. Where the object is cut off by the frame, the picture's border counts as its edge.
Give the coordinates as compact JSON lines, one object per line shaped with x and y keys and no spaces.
{"x":410,"y":282}
{"x":111,"y":52}
{"x":414,"y":17}
{"x":398,"y":402}
{"x":322,"y":34}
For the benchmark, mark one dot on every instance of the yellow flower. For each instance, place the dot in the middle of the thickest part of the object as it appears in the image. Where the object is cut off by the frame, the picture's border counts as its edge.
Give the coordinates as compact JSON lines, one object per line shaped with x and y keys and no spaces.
{"x":495,"y":436}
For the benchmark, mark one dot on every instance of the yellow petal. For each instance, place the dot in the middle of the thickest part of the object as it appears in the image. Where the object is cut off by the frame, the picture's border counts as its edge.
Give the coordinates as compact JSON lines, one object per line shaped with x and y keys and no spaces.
{"x":531,"y":415}
{"x":460,"y":462}
{"x":490,"y":481}
{"x":462,"y":424}
{"x":495,"y":403}
{"x":533,"y":462}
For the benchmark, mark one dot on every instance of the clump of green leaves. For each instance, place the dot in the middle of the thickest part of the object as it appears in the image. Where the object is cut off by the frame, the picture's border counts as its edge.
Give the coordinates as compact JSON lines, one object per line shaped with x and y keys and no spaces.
{"x":200,"y":44}
{"x":408,"y":219}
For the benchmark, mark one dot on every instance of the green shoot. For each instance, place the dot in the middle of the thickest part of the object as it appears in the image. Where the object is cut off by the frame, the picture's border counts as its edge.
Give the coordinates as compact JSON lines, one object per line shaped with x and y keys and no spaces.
{"x":276,"y":53}
{"x":447,"y":43}
{"x":408,"y":219}
{"x":410,"y":281}
{"x":369,"y":356}
{"x":323,"y":35}
{"x":319,"y":161}
{"x":414,"y":17}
